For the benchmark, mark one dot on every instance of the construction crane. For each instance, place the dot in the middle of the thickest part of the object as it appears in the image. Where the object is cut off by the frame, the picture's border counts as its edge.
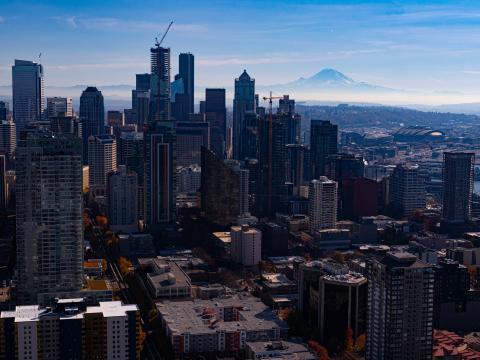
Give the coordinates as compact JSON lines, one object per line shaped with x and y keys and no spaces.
{"x":158,"y":43}
{"x":270,"y":149}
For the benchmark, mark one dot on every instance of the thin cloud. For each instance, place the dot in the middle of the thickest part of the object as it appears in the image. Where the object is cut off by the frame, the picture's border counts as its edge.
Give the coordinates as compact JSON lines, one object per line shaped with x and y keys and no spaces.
{"x":471,"y":72}
{"x":118,"y":24}
{"x":94,"y":66}
{"x":2,"y":19}
{"x":69,"y":21}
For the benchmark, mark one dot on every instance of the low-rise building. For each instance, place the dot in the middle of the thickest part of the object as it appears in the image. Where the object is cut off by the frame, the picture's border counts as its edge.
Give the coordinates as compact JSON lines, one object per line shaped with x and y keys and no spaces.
{"x":278,"y":350}
{"x":222,"y":325}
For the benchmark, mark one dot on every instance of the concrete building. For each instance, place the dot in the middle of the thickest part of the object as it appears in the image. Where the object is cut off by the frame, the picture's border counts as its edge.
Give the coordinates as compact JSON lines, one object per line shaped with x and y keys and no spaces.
{"x":278,"y":350}
{"x":189,"y":178}
{"x":8,"y":138}
{"x":122,"y":200}
{"x":191,"y":137}
{"x":322,"y":204}
{"x":246,"y":245}
{"x":28,"y":93}
{"x":59,"y":107}
{"x":407,"y":190}
{"x":222,"y":325}
{"x":71,"y":330}
{"x":160,"y":91}
{"x":458,"y":173}
{"x":115,"y":118}
{"x":400,"y":303}
{"x":102,"y":159}
{"x":49,"y":215}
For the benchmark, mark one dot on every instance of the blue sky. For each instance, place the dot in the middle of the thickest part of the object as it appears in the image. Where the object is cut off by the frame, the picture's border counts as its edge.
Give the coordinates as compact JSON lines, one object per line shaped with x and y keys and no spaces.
{"x":419,"y":45}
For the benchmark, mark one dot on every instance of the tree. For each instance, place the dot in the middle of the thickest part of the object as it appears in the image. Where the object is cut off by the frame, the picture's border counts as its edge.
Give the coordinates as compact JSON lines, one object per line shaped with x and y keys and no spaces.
{"x":319,"y":350}
{"x":125,"y":266}
{"x":339,"y":257}
{"x":349,"y":339}
{"x":102,"y":221}
{"x":360,"y":343}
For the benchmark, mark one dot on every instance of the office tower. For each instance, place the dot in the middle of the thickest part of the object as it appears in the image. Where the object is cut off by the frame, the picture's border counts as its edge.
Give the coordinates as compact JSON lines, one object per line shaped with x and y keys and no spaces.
{"x":322,"y":204}
{"x":358,"y":198}
{"x":407,"y":190}
{"x":3,"y":183}
{"x":102,"y":159}
{"x":92,"y":116}
{"x":159,"y":84}
{"x":8,"y":138}
{"x":129,"y":117}
{"x":400,"y":308}
{"x":246,"y":246}
{"x":187,"y":73}
{"x":71,"y":330}
{"x":59,"y":106}
{"x":323,"y":142}
{"x":333,"y":299}
{"x":295,"y":166}
{"x":216,"y":116}
{"x":274,"y":239}
{"x":141,"y":107}
{"x":224,"y":189}
{"x":115,"y":118}
{"x":142,"y":82}
{"x":272,"y":170}
{"x":286,"y":105}
{"x":3,"y":110}
{"x":243,"y":101}
{"x":191,"y":137}
{"x":160,"y":163}
{"x":49,"y":214}
{"x":28,"y":93}
{"x":293,"y":126}
{"x":339,"y":167}
{"x":66,"y":125}
{"x":178,"y":100}
{"x":458,"y":171}
{"x":122,"y":200}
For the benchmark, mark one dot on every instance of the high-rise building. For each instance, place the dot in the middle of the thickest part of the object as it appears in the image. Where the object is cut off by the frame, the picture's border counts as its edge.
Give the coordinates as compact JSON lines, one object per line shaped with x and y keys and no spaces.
{"x":333,"y":299}
{"x":186,"y":71}
{"x":407,"y":190}
{"x":142,"y":82}
{"x":115,"y":118}
{"x":122,"y":200}
{"x":28,"y":93}
{"x":189,"y":178}
{"x":141,"y":107}
{"x":243,"y":101}
{"x":160,"y":163}
{"x":3,"y":183}
{"x":358,"y":198}
{"x":59,"y":106}
{"x":49,"y":214}
{"x":191,"y":137}
{"x":71,"y":330}
{"x":3,"y":110}
{"x":224,"y":189}
{"x":159,"y":84}
{"x":216,"y":116}
{"x":458,"y":171}
{"x":246,"y":246}
{"x":8,"y":138}
{"x":272,"y":169}
{"x":295,"y":166}
{"x":322,"y":204}
{"x":343,"y":166}
{"x":66,"y":125}
{"x":400,"y":308}
{"x":323,"y":142}
{"x":179,"y":100}
{"x":102,"y":159}
{"x":286,"y":105}
{"x":92,"y":115}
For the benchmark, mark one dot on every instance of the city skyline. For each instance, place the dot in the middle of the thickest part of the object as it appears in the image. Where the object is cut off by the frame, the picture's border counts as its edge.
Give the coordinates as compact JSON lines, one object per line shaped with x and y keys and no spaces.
{"x":428,"y":49}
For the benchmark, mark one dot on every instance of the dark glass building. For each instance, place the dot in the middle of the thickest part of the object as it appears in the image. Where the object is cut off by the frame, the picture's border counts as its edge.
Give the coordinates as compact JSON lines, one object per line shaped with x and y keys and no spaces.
{"x":216,"y":116}
{"x":187,"y":73}
{"x":243,"y":102}
{"x":323,"y":143}
{"x":159,"y":84}
{"x":92,"y":116}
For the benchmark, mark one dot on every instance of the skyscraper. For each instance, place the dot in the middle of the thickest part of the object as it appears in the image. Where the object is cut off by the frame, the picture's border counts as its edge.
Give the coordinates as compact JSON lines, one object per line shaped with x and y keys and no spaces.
{"x":243,"y":101}
{"x":295,"y":160}
{"x":187,"y":73}
{"x":141,"y":100}
{"x":102,"y":159}
{"x":272,"y":169}
{"x":407,"y":190}
{"x":59,"y":106}
{"x":216,"y":116}
{"x":8,"y":138}
{"x":160,"y":163}
{"x":28,"y":92}
{"x":3,"y":110}
{"x":159,"y":84}
{"x":3,"y":183}
{"x":49,"y":214}
{"x":224,"y":189}
{"x":323,"y":142}
{"x":92,"y":116}
{"x":322,"y":204}
{"x":400,"y":308}
{"x":122,"y":200}
{"x":191,"y":136}
{"x":458,"y":171}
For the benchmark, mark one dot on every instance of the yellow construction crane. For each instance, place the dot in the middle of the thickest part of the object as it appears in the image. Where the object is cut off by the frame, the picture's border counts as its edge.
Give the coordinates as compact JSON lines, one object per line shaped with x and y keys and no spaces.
{"x":270,"y":150}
